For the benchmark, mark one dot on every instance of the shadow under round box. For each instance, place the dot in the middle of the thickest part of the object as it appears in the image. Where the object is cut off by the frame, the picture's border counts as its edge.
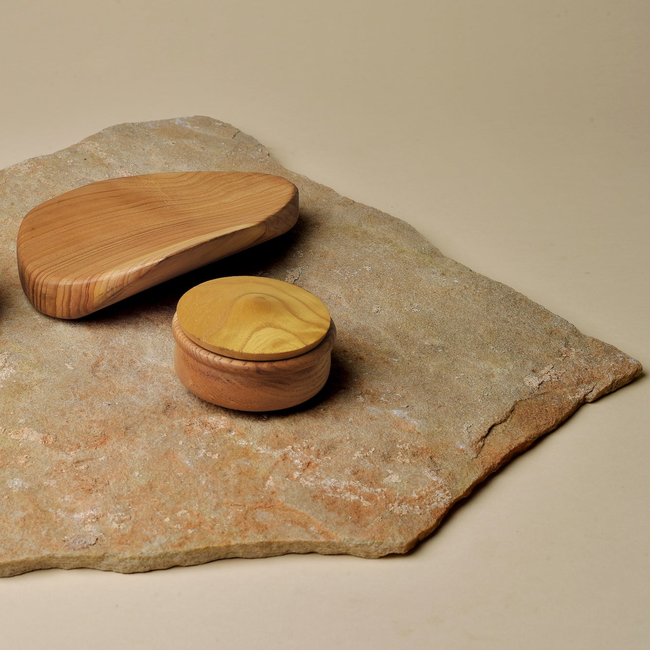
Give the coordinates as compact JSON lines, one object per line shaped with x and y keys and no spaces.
{"x":252,"y":343}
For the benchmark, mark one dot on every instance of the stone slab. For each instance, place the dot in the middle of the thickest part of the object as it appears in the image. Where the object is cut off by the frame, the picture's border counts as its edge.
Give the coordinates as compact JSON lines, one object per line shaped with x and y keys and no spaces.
{"x":440,"y":376}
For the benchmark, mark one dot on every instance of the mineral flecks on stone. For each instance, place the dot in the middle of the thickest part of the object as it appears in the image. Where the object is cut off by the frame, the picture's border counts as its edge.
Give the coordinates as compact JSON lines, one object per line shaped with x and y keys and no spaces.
{"x":439,"y":376}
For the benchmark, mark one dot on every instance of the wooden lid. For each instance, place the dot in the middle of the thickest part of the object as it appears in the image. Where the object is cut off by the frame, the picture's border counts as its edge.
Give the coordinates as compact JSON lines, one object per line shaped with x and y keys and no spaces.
{"x":253,"y":318}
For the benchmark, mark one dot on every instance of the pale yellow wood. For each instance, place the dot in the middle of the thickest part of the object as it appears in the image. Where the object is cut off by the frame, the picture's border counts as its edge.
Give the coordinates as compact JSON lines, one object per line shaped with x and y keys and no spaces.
{"x":93,"y":246}
{"x":253,"y":318}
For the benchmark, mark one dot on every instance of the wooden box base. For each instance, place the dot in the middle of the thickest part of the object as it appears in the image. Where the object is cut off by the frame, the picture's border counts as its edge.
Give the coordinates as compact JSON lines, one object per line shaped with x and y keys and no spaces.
{"x":251,"y":385}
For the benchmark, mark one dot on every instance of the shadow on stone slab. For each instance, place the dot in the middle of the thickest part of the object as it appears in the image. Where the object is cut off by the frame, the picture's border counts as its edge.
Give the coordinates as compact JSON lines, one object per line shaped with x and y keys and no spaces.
{"x":336,"y":385}
{"x":165,"y":296}
{"x":3,"y":303}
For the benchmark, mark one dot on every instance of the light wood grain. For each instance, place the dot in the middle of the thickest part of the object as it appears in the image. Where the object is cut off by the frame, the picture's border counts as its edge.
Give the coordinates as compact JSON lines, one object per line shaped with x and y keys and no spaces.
{"x":251,"y":385}
{"x":253,"y":318}
{"x":98,"y":244}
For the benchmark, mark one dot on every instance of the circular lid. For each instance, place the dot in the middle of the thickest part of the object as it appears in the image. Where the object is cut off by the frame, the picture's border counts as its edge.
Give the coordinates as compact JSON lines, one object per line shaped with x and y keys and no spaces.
{"x":253,"y":318}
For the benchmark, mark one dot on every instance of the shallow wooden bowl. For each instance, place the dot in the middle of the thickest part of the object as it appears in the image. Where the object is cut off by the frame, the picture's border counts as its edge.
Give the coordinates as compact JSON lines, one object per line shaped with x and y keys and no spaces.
{"x":252,"y":344}
{"x":93,"y":246}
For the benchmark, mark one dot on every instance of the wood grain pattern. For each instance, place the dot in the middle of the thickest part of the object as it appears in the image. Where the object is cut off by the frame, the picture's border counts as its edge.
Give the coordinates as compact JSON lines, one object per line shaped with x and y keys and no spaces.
{"x":93,"y":246}
{"x":251,"y":385}
{"x":253,"y":318}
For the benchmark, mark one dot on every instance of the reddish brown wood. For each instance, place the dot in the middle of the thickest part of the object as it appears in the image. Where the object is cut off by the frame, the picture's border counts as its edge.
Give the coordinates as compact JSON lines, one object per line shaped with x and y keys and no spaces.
{"x":251,"y":385}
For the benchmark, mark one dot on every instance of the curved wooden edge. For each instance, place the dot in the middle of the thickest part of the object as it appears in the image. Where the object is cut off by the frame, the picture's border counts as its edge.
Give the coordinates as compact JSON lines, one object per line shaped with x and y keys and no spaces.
{"x":226,"y":364}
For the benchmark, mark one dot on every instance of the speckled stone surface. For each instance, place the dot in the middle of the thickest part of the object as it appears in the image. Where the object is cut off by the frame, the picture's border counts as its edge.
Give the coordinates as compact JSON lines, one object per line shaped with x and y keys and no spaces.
{"x":439,"y":376}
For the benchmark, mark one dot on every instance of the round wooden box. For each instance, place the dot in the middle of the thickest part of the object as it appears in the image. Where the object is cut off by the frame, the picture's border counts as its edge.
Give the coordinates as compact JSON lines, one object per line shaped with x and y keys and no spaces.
{"x":252,"y":344}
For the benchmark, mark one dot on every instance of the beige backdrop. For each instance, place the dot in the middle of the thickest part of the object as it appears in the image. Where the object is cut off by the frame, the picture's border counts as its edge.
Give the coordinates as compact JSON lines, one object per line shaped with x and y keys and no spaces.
{"x":515,"y":135}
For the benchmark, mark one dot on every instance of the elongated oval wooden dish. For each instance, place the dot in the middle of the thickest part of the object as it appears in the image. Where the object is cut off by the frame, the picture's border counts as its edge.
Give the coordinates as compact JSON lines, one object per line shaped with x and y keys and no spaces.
{"x":98,"y":244}
{"x":252,"y":344}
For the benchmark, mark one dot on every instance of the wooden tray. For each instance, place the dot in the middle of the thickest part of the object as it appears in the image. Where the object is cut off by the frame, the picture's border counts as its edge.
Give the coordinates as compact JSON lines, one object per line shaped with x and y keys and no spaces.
{"x":100,"y":243}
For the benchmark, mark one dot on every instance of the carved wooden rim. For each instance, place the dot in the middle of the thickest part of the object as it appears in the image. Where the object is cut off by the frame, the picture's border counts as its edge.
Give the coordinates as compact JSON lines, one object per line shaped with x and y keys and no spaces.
{"x":226,"y":364}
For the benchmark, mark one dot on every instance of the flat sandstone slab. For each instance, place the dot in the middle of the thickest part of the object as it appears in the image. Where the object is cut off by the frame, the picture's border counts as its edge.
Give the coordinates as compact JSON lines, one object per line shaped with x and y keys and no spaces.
{"x":439,"y":376}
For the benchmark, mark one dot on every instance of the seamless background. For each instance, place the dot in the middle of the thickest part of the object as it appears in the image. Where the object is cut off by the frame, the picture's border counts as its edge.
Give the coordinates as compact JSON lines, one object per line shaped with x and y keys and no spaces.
{"x":515,"y":136}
